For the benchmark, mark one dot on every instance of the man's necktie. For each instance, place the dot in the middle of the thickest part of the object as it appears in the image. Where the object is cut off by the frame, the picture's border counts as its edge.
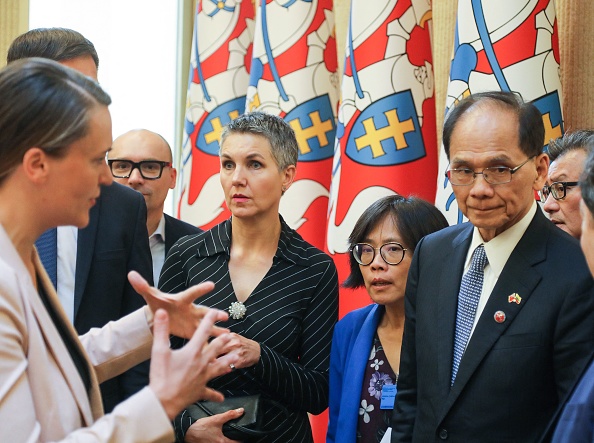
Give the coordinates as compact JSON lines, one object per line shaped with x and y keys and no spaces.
{"x":470,"y":293}
{"x":47,"y":246}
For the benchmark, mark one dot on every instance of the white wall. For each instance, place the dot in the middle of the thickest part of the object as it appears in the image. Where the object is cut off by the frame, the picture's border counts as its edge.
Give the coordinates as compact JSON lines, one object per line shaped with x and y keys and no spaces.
{"x":136,"y":43}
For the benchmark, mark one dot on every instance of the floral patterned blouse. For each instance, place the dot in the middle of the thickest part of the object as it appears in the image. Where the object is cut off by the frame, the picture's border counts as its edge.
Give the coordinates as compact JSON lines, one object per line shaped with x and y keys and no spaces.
{"x":373,"y":421}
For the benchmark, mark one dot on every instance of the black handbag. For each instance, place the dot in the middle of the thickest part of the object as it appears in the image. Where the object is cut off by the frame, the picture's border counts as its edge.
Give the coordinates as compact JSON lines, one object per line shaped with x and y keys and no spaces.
{"x":246,"y":428}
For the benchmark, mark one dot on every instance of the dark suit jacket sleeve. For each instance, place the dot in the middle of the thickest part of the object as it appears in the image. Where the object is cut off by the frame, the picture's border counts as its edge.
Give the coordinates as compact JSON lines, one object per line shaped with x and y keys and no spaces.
{"x":304,"y":385}
{"x":573,"y":336}
{"x":405,"y":407}
{"x":573,"y":420}
{"x":140,"y":260}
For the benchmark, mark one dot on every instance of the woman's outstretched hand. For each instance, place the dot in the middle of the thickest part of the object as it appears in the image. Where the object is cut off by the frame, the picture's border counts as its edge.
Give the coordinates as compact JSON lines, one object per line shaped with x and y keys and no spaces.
{"x":184,"y":315}
{"x":179,"y":377}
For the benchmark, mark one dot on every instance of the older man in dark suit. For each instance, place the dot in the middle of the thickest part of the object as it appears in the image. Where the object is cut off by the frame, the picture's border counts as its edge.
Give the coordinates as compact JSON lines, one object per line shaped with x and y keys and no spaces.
{"x":499,"y":311}
{"x":142,"y":160}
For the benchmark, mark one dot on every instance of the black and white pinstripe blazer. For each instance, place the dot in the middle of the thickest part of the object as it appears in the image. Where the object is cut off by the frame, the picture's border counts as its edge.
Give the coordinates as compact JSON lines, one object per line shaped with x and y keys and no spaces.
{"x":291,"y":313}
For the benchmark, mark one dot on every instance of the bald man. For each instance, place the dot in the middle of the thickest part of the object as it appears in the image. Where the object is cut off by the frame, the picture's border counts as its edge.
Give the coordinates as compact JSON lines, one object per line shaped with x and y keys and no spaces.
{"x":142,"y":160}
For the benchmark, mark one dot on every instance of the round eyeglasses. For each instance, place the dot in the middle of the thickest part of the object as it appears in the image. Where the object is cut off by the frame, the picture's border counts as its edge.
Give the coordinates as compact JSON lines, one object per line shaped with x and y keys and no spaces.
{"x":392,"y":253}
{"x":557,"y":189}
{"x":495,"y":175}
{"x":149,"y":169}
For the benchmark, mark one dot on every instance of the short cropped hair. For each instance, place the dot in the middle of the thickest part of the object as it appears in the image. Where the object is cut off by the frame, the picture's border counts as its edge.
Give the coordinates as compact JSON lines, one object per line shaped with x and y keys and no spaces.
{"x":587,"y":179}
{"x":57,"y":44}
{"x":413,"y":217}
{"x":531,"y":128}
{"x":570,"y":141}
{"x":45,"y":105}
{"x":279,"y":134}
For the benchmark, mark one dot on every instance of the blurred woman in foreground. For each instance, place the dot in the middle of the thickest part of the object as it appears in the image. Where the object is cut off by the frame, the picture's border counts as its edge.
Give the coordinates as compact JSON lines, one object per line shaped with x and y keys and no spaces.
{"x":55,"y":130}
{"x":366,"y":344}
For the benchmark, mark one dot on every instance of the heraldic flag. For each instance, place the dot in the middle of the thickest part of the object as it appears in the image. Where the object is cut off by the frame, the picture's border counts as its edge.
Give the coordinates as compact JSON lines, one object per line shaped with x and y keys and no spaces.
{"x":386,"y":137}
{"x":507,"y":45}
{"x":293,"y":75}
{"x":217,"y":86}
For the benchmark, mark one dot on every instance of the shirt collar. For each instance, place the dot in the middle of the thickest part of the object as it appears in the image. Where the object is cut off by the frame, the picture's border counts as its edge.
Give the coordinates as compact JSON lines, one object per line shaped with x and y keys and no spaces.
{"x":291,"y":246}
{"x":159,"y":234}
{"x":501,"y":246}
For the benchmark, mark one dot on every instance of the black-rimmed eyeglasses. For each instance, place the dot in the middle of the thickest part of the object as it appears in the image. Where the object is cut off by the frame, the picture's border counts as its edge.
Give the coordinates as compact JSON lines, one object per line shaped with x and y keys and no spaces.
{"x":149,"y":169}
{"x":392,"y":253}
{"x":557,"y":189}
{"x":495,"y":175}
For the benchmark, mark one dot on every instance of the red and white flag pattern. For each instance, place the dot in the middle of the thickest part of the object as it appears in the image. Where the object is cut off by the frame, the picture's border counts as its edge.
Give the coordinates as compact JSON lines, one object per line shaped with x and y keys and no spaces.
{"x":386,"y":136}
{"x":293,"y":75}
{"x":218,"y":83}
{"x":508,"y":45}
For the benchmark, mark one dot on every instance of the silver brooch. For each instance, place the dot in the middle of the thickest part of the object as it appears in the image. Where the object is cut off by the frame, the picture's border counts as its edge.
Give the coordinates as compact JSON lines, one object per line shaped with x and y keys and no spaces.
{"x":237,"y":310}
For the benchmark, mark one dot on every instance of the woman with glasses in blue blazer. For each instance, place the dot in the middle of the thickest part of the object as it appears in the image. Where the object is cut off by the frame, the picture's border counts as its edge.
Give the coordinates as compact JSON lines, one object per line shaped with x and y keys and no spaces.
{"x":365,"y":354}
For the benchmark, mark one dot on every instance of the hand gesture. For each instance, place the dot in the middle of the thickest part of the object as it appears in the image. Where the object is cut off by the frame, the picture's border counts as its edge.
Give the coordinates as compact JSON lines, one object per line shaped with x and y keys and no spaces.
{"x":179,"y":377}
{"x":184,"y":315}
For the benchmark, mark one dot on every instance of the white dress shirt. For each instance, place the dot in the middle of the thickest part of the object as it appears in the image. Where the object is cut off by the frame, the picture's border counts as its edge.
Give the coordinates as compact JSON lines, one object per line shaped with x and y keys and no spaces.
{"x":157,"y":244}
{"x":498,"y":251}
{"x":66,"y":273}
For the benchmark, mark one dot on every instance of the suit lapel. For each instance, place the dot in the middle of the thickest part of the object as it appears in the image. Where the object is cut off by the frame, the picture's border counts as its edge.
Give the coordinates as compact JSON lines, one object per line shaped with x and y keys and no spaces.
{"x":170,"y":236}
{"x":518,"y":277}
{"x":89,"y":404}
{"x":84,"y":254}
{"x":355,"y":368}
{"x":449,"y":286}
{"x":355,"y":371}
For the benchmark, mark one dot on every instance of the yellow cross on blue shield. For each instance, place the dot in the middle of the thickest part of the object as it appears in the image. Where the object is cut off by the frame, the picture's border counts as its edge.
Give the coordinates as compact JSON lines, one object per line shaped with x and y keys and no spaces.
{"x":387,"y":133}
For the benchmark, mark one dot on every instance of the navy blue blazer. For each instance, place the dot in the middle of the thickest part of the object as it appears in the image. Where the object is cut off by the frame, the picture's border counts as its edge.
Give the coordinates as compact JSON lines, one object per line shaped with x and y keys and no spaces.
{"x":114,"y":243}
{"x":351,"y":345}
{"x":576,"y":424}
{"x":513,"y":374}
